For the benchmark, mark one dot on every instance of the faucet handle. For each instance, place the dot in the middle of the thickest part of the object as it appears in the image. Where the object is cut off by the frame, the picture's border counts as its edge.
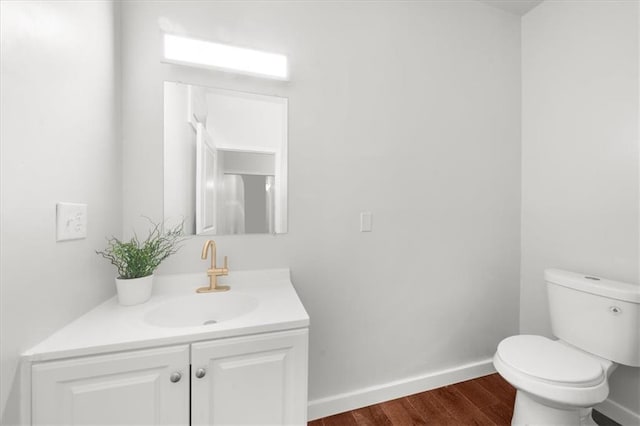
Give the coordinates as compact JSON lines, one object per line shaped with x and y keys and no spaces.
{"x":226,"y":265}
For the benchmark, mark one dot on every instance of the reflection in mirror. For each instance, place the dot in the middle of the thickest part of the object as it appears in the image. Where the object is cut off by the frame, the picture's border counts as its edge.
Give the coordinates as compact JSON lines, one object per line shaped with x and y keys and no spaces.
{"x":225,"y":160}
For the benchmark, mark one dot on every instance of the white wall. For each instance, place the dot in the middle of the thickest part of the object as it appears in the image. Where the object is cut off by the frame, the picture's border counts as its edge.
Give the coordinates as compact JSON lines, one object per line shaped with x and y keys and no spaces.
{"x":410,"y":110}
{"x":180,"y":159}
{"x":580,"y":189}
{"x":59,"y":139}
{"x":245,"y":121}
{"x":252,"y":163}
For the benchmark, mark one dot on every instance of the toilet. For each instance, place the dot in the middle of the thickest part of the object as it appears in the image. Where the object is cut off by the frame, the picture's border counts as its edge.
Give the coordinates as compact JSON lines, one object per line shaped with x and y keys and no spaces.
{"x":597,"y":323}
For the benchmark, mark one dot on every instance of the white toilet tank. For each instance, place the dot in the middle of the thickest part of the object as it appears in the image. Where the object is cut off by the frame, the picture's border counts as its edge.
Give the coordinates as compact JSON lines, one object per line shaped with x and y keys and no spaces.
{"x":599,"y":316}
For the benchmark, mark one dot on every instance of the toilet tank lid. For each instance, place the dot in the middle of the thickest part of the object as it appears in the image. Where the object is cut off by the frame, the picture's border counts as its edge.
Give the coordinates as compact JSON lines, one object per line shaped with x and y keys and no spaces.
{"x":594,"y":285}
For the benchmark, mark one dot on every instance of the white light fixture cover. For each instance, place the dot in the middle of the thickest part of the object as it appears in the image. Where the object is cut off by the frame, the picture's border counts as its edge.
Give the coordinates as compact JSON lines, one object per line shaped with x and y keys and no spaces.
{"x":190,"y":51}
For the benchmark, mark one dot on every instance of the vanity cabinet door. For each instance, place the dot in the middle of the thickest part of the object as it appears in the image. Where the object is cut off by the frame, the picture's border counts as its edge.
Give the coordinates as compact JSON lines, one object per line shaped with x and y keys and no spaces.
{"x":128,"y":388}
{"x":251,"y":380}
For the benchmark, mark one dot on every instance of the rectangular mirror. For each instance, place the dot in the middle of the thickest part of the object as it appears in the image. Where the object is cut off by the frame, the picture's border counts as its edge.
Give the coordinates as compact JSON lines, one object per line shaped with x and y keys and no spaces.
{"x":225,"y":160}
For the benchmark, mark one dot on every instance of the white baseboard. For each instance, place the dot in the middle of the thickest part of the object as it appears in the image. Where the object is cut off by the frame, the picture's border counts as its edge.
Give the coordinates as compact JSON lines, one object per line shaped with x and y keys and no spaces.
{"x":618,"y":413}
{"x":359,"y":398}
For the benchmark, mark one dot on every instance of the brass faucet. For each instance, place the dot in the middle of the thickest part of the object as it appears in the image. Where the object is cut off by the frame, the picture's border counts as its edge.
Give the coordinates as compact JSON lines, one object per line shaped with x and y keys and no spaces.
{"x":213,"y":272}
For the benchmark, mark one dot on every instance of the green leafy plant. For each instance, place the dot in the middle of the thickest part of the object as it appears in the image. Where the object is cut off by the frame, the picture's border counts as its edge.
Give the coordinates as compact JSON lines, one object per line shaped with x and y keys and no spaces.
{"x":137,"y":259}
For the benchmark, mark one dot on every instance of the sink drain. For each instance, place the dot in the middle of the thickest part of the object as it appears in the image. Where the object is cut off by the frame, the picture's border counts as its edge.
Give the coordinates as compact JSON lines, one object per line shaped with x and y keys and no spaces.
{"x":209,"y":322}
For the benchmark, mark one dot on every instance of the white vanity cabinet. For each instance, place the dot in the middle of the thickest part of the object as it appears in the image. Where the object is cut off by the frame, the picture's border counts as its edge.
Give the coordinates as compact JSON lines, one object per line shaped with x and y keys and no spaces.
{"x":254,"y":380}
{"x":127,"y":388}
{"x":250,"y":380}
{"x":233,"y":358}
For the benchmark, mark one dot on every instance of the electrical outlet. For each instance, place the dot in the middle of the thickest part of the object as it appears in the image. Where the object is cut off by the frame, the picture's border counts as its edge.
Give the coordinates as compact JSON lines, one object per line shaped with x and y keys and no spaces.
{"x":71,"y":221}
{"x":366,"y":222}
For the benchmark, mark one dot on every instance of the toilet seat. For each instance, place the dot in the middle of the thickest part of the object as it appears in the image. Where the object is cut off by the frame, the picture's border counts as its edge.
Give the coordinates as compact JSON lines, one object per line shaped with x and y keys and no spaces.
{"x":550,"y":361}
{"x":552,"y":371}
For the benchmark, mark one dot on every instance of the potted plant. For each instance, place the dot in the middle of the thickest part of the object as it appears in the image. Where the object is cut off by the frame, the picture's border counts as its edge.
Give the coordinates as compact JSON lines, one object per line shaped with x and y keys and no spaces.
{"x":137,"y":260}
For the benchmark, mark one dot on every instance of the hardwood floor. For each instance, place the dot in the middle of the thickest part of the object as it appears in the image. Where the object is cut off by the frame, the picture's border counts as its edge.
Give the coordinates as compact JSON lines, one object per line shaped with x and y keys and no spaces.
{"x":484,"y":401}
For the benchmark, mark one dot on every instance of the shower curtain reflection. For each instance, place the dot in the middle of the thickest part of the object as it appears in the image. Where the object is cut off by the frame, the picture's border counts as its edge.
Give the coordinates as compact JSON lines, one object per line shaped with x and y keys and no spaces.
{"x":233,"y":205}
{"x":249,"y":202}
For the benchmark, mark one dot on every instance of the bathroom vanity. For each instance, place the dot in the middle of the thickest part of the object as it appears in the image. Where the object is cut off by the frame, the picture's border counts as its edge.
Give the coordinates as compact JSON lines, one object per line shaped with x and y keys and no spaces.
{"x":238,"y":357}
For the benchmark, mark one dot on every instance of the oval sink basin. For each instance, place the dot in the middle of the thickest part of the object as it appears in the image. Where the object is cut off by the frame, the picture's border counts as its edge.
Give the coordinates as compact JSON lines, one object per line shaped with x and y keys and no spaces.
{"x":200,"y":310}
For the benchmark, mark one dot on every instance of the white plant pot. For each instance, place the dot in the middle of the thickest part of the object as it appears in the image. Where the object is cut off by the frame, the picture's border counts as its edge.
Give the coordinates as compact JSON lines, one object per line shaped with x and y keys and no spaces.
{"x":134,"y":291}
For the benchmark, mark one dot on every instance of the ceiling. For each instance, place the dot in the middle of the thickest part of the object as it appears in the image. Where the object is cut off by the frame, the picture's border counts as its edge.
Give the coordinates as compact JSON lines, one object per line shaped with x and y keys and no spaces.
{"x":517,"y":7}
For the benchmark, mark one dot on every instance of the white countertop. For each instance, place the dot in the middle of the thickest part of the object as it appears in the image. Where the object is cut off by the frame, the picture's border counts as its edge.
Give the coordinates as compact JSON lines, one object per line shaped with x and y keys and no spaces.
{"x":110,"y":327}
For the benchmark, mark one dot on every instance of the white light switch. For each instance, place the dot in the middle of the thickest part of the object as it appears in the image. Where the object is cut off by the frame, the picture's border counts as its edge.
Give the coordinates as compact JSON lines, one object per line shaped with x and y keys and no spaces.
{"x":366,"y":221}
{"x":71,"y":221}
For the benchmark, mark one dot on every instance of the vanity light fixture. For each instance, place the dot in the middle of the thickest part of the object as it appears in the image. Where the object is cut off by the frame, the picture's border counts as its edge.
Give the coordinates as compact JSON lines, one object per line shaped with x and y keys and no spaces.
{"x":190,"y":51}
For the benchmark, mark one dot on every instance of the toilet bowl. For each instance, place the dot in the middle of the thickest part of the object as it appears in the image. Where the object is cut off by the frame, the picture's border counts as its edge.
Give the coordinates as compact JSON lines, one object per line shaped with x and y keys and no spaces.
{"x":559,"y":381}
{"x":556,"y":383}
